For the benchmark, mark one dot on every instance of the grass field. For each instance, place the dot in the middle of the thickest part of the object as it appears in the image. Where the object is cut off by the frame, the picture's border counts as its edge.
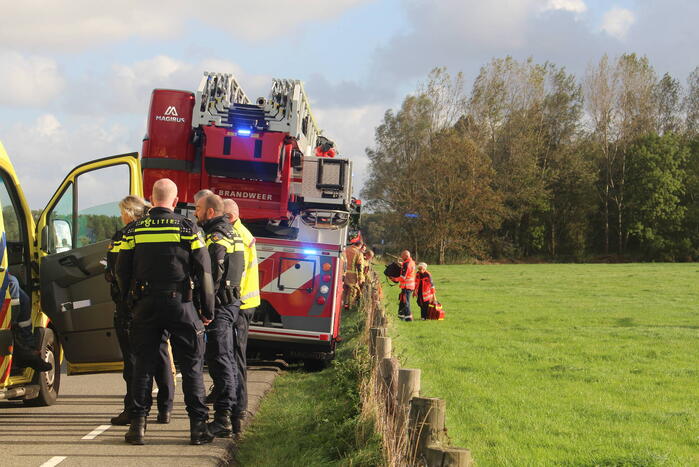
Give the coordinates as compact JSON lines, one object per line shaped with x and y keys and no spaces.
{"x":313,"y":419}
{"x":563,"y":364}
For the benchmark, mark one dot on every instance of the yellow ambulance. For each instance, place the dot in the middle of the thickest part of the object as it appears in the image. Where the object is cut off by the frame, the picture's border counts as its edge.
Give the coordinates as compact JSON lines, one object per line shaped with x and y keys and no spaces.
{"x":59,"y":260}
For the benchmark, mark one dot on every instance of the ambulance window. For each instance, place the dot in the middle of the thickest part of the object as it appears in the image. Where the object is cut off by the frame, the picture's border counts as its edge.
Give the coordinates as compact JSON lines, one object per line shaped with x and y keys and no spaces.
{"x":99,"y":193}
{"x":60,"y":223}
{"x":10,"y":217}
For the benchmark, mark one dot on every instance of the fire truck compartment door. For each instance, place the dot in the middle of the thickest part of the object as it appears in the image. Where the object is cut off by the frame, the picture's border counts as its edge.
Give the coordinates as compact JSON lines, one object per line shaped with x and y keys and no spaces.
{"x":74,"y":233}
{"x":295,"y":273}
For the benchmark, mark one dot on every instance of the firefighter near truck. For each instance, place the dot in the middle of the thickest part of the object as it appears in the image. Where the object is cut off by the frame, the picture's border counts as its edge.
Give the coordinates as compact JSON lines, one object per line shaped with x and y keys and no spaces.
{"x":293,"y":192}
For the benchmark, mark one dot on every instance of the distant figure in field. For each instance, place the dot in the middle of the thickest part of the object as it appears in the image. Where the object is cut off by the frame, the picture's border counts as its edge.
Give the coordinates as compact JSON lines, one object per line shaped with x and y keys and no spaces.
{"x":406,"y":281}
{"x":424,"y":290}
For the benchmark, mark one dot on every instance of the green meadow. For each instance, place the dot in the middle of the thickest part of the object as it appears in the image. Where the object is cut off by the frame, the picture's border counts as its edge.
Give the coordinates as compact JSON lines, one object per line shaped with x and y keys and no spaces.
{"x":563,"y":364}
{"x":313,"y":418}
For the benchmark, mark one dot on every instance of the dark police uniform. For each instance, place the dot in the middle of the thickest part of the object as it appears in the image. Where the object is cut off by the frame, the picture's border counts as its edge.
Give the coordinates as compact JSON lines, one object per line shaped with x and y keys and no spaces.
{"x":122,"y":321}
{"x":227,"y":263}
{"x":159,"y":256}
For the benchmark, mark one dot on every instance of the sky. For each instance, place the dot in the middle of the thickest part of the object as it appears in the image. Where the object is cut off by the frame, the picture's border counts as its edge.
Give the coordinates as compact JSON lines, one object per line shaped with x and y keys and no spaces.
{"x":76,"y":75}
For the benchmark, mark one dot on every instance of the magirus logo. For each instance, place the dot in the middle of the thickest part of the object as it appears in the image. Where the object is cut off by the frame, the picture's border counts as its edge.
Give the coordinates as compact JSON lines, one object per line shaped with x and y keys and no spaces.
{"x":170,"y":115}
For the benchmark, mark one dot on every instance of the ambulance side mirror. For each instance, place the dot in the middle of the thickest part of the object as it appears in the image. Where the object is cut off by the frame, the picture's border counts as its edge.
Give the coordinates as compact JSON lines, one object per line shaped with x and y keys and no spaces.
{"x":62,"y":234}
{"x":56,"y":237}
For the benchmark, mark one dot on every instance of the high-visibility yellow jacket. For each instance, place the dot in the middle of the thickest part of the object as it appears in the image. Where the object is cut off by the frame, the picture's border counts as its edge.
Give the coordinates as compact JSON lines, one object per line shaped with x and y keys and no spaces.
{"x":250,"y":282}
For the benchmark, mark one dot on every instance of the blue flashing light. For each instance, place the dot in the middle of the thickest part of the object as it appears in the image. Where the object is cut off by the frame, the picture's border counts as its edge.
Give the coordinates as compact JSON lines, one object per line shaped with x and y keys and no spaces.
{"x":412,"y":216}
{"x":244,"y":132}
{"x":310,"y":251}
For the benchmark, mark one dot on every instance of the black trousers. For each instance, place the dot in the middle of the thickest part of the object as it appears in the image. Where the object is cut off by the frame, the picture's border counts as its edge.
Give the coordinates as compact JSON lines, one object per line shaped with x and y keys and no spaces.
{"x":424,"y":308}
{"x":220,"y":356}
{"x":404,"y":303}
{"x":242,"y":326}
{"x":163,"y":374}
{"x":152,"y":316}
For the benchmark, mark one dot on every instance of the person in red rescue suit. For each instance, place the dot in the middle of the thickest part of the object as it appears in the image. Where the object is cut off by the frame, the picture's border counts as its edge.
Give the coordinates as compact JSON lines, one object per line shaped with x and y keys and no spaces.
{"x":406,"y":281}
{"x":424,"y":289}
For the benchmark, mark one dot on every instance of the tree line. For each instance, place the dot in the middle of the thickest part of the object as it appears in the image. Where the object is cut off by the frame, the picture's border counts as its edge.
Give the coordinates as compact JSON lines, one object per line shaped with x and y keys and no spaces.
{"x":535,"y":161}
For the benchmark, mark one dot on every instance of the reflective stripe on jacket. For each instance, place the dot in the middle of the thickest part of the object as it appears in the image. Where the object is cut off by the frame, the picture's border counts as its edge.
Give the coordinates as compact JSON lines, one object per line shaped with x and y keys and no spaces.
{"x":250,"y":282}
{"x":407,"y":276}
{"x":426,"y":286}
{"x":165,"y":248}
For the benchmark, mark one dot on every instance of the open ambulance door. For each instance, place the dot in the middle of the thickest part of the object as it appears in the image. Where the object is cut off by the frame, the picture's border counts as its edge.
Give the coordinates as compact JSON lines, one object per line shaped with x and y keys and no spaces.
{"x":73,"y":234}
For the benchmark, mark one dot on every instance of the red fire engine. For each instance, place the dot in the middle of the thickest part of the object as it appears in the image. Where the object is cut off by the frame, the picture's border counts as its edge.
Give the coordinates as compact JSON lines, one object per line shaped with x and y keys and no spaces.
{"x":294,"y":196}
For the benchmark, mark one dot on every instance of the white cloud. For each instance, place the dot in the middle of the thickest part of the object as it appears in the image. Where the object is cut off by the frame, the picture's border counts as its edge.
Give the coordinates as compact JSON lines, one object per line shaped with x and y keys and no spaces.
{"x":43,"y":151}
{"x":82,"y":24}
{"x":75,"y":25}
{"x":617,"y":22}
{"x":574,"y":6}
{"x":47,"y":126}
{"x":28,"y":80}
{"x":126,"y":88}
{"x":352,"y":130}
{"x":260,"y":20}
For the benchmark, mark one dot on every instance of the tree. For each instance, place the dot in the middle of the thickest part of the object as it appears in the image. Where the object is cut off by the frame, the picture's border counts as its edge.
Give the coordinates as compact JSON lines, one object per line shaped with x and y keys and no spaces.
{"x":691,"y":103}
{"x":526,"y":117}
{"x":402,"y":142}
{"x":456,"y":202}
{"x":394,"y":164}
{"x":620,"y":102}
{"x":668,"y":105}
{"x":655,"y":186}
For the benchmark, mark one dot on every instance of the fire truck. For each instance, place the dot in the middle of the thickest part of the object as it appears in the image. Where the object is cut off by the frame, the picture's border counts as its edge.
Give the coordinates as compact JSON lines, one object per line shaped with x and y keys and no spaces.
{"x":293,"y":192}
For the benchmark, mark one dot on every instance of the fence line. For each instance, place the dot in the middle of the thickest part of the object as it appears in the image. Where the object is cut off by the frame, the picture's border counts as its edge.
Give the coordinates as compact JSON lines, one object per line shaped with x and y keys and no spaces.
{"x":412,"y":427}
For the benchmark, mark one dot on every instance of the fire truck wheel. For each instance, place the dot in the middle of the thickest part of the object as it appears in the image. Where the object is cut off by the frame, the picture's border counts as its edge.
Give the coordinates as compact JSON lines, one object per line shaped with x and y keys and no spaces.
{"x":313,"y":365}
{"x":49,"y":381}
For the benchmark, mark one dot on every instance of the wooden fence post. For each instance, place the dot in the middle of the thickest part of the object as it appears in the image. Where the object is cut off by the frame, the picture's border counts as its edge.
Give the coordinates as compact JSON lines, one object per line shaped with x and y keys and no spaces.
{"x":373,"y":334}
{"x":388,"y":372}
{"x":383,"y":348}
{"x":426,"y":423}
{"x":408,"y":387}
{"x":438,"y":456}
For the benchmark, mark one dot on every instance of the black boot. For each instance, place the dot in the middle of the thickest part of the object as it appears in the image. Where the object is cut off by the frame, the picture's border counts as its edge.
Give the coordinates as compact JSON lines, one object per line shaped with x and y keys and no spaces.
{"x":236,"y":424}
{"x":137,"y":431}
{"x":199,"y":433}
{"x":164,"y":416}
{"x":124,"y":418}
{"x":221,"y":426}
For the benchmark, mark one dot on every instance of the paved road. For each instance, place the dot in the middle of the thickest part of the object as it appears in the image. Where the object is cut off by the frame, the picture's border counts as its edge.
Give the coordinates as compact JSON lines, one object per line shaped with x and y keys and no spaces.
{"x":76,"y":431}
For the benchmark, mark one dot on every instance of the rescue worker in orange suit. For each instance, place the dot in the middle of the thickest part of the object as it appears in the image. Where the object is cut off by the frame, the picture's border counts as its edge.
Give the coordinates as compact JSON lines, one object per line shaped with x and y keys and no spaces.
{"x":424,"y":289}
{"x":159,"y":258}
{"x":227,"y":262}
{"x":354,"y":275}
{"x":250,"y":299}
{"x":133,"y":208}
{"x":406,"y":281}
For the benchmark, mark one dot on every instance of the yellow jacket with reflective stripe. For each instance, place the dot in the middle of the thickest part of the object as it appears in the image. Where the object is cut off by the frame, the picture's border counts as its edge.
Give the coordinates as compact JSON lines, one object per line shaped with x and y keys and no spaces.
{"x":250,"y":282}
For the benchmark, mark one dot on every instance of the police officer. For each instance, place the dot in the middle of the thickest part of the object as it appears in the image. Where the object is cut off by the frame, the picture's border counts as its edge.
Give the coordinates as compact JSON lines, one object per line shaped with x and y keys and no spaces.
{"x":133,"y":208}
{"x":227,"y":261}
{"x":159,"y":255}
{"x":250,"y":299}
